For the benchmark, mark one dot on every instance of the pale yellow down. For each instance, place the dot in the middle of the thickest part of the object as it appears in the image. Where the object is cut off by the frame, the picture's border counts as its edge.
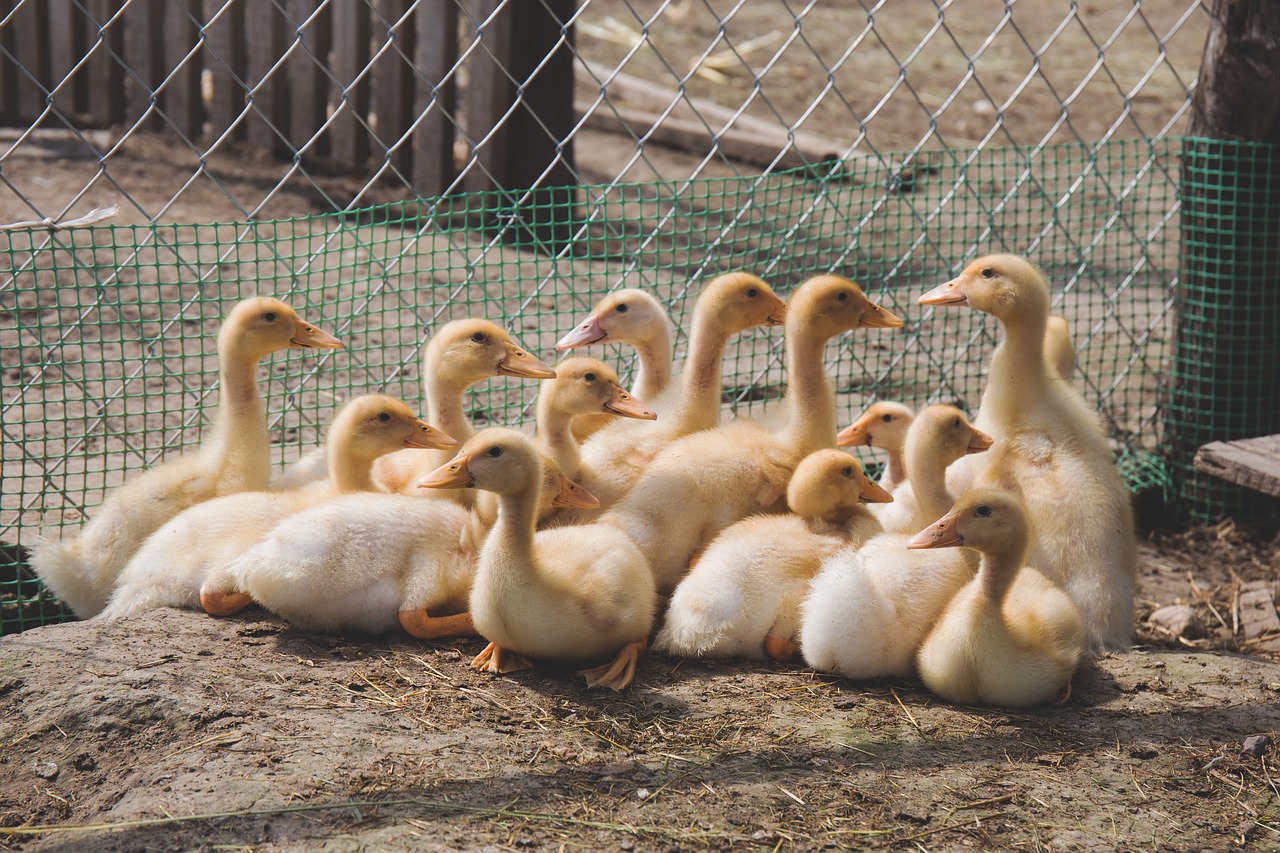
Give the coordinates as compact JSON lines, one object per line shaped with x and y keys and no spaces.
{"x":1010,"y":637}
{"x":1051,"y":448}
{"x":883,"y":426}
{"x":233,"y":457}
{"x":742,"y":596}
{"x":190,"y":554}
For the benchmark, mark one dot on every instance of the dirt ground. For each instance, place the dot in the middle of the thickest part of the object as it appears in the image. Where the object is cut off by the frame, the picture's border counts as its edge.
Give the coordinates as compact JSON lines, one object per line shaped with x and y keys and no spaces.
{"x":176,"y":731}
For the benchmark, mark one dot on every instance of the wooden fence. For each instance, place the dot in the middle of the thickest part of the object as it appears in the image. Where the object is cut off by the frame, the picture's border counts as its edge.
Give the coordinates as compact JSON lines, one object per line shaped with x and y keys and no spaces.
{"x":356,"y":84}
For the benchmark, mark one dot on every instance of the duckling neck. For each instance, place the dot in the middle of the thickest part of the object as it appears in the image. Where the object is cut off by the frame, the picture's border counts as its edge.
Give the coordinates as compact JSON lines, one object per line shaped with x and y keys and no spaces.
{"x":999,"y":568}
{"x":654,"y":373}
{"x":555,"y":437}
{"x":811,"y":401}
{"x":517,"y":522}
{"x":927,"y":471}
{"x":239,"y":447}
{"x":349,"y":470}
{"x":700,"y":402}
{"x":444,"y":405}
{"x":894,"y":471}
{"x":1019,"y":372}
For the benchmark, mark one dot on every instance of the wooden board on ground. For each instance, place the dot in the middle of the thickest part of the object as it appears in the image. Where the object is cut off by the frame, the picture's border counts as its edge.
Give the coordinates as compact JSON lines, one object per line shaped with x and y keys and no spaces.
{"x":1251,"y":462}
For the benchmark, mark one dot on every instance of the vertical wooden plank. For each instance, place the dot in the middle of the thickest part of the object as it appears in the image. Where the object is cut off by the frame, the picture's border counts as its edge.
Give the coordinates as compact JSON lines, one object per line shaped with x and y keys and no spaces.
{"x":66,"y":48}
{"x":143,"y":54}
{"x":489,"y":95}
{"x":105,"y":41}
{"x":393,"y":82}
{"x":308,"y":82}
{"x":351,"y":34}
{"x":182,"y":100}
{"x":225,"y":58}
{"x":8,"y":73}
{"x":269,"y":117}
{"x":30,"y":23}
{"x":435,"y":54}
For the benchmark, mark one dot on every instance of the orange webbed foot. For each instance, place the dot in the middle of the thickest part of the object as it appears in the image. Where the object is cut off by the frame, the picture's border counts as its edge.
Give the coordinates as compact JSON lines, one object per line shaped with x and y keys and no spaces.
{"x":620,"y":672}
{"x":781,"y":648}
{"x":418,"y":623}
{"x":224,"y":603}
{"x":498,"y":660}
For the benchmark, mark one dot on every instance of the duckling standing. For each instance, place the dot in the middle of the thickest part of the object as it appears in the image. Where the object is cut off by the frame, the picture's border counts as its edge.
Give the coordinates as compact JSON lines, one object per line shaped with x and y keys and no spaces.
{"x":742,"y":596}
{"x":1052,"y":449}
{"x":569,"y":593}
{"x":234,"y":457}
{"x":1010,"y":637}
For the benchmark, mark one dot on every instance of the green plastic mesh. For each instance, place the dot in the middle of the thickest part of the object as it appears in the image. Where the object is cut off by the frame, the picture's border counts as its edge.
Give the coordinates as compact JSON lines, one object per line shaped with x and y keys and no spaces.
{"x":107,"y":333}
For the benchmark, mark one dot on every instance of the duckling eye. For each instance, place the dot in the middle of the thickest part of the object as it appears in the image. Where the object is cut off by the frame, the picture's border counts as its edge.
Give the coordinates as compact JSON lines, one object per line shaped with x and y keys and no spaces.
{"x":590,"y":377}
{"x":886,"y":418}
{"x":270,"y":316}
{"x":493,"y":452}
{"x":842,"y":296}
{"x":983,"y":511}
{"x":956,"y":423}
{"x":753,"y":292}
{"x":847,"y":471}
{"x":988,"y":272}
{"x":480,"y":337}
{"x":621,"y":308}
{"x":384,"y":417}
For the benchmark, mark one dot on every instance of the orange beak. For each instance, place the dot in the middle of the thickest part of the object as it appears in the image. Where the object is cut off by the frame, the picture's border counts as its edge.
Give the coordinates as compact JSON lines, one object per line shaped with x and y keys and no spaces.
{"x":622,"y":403}
{"x":873,"y":492}
{"x":778,"y":316}
{"x":876,"y":317}
{"x":517,"y":362}
{"x":941,"y":534}
{"x":588,"y":332}
{"x":573,"y":495}
{"x":426,"y":436}
{"x":307,"y":336}
{"x":453,"y":474}
{"x":979,"y":442}
{"x":945,"y":294}
{"x":855,"y":434}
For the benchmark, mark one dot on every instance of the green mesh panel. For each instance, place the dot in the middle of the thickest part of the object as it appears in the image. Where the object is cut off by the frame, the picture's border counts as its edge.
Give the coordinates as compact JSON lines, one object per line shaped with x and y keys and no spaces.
{"x":107,"y":333}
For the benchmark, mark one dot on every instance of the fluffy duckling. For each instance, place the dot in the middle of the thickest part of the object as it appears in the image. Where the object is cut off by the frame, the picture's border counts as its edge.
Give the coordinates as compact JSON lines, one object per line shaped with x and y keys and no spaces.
{"x":868,"y":608}
{"x":184,"y":563}
{"x":742,"y":596}
{"x":704,"y":482}
{"x":371,"y":563}
{"x":882,"y":426}
{"x":570,"y":593}
{"x":460,"y":354}
{"x":1000,"y":642}
{"x":627,"y":316}
{"x":939,"y":436}
{"x":234,"y":457}
{"x":1052,"y":450}
{"x":583,"y":386}
{"x":617,"y":455}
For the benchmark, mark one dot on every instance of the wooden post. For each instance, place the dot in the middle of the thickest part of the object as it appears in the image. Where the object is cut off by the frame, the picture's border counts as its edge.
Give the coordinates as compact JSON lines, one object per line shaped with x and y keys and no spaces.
{"x":225,"y":37}
{"x":351,"y":34}
{"x":66,"y":48}
{"x":1228,"y":301}
{"x":144,"y":54}
{"x":308,"y":83}
{"x":183,"y":103}
{"x":105,"y":42}
{"x":268,"y":120}
{"x":8,"y":73}
{"x":30,"y":24}
{"x":520,"y":102}
{"x":393,"y":87}
{"x":436,"y":53}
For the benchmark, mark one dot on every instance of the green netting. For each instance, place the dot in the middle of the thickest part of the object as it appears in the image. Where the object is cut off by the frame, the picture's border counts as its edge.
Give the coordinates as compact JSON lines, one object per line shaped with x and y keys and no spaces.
{"x":107,"y":333}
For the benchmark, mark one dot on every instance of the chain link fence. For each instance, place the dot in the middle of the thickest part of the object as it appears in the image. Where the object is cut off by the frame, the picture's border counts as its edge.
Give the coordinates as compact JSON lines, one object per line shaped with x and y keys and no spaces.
{"x":387,"y":165}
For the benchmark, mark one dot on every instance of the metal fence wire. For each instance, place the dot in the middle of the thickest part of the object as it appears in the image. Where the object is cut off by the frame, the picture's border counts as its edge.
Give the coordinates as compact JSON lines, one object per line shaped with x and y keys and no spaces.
{"x":387,"y":165}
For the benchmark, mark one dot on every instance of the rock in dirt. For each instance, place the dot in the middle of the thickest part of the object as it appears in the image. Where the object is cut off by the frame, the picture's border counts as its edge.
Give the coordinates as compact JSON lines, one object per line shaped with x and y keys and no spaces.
{"x":46,"y":769}
{"x":1256,"y":745}
{"x":1180,"y":620}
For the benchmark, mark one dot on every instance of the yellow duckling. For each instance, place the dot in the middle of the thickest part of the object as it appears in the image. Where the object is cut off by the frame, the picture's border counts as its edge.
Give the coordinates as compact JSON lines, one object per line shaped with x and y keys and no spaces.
{"x":627,"y":316}
{"x":234,"y":457}
{"x":742,"y":596}
{"x":1051,"y":449}
{"x":583,"y":386}
{"x":868,"y":608}
{"x":616,"y":456}
{"x":569,"y":593}
{"x":1010,"y":637}
{"x":184,"y":563}
{"x":704,"y":482}
{"x":882,"y":426}
{"x":1059,"y":350}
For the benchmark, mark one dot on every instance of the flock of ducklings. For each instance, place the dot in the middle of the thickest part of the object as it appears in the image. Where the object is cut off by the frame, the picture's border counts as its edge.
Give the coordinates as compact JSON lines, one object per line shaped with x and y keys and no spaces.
{"x":762,"y":539}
